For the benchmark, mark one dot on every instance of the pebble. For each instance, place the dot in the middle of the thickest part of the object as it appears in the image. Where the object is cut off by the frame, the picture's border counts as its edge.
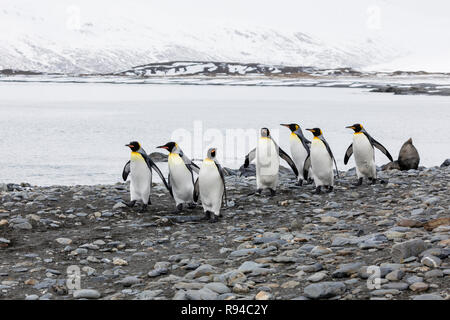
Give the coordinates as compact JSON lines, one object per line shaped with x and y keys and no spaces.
{"x":86,"y":293}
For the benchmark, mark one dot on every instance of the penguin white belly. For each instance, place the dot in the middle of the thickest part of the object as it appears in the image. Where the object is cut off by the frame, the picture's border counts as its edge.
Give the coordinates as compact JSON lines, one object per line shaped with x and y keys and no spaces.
{"x":180,"y":180}
{"x":141,"y":177}
{"x":299,"y":154}
{"x":210,"y":187}
{"x":321,"y":163}
{"x":364,"y":156}
{"x":267,"y":164}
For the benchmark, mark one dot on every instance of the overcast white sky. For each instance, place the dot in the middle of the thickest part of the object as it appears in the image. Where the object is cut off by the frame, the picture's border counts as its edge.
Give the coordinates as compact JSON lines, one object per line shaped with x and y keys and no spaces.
{"x":421,"y":27}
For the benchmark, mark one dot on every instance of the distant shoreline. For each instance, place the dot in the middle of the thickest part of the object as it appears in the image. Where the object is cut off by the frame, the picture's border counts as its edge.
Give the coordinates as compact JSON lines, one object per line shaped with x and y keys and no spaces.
{"x":252,"y":74}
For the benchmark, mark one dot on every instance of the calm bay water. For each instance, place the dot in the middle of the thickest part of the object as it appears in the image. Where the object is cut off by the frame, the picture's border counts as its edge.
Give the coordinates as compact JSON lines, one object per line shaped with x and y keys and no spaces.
{"x":75,"y":133}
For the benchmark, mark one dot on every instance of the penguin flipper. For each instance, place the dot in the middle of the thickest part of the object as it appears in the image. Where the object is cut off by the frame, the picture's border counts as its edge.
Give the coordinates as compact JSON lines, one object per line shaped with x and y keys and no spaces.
{"x":306,"y":167}
{"x":377,"y":145}
{"x":126,"y":171}
{"x":219,"y":168}
{"x":380,"y":147}
{"x":330,"y":153}
{"x":195,"y":167}
{"x":348,"y":153}
{"x":283,"y":155}
{"x":249,"y":158}
{"x":306,"y":143}
{"x":196,"y":190}
{"x":151,"y":165}
{"x":189,"y":163}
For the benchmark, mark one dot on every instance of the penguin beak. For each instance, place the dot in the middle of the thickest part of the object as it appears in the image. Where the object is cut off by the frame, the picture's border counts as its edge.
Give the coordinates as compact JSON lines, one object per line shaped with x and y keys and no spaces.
{"x":128,"y":145}
{"x":351,"y":127}
{"x":312,"y":130}
{"x":163,"y":147}
{"x":284,"y":125}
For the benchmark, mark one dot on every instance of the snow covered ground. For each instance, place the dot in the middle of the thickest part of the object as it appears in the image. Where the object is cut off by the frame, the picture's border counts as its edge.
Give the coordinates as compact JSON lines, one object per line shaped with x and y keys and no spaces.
{"x":55,"y":36}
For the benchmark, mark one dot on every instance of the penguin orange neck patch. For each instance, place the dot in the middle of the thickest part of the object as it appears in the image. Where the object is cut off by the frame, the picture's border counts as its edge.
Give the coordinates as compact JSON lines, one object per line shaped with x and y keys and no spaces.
{"x":136,"y":156}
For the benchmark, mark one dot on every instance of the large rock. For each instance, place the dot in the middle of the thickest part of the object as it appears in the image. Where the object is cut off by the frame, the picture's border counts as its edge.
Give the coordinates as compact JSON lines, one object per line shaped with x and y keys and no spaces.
{"x":408,"y":158}
{"x":430,"y":225}
{"x":401,"y":251}
{"x":326,"y":289}
{"x":446,"y":163}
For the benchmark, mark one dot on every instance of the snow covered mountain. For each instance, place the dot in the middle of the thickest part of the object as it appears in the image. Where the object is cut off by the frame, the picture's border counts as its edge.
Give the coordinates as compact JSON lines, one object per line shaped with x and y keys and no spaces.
{"x":51,"y":37}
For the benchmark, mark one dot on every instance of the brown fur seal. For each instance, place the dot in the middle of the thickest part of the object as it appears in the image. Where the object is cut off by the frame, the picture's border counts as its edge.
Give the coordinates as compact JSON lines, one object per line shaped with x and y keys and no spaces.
{"x":408,"y":158}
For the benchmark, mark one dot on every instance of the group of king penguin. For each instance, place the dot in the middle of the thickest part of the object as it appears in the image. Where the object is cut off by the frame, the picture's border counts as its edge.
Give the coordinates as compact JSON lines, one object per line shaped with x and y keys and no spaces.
{"x":311,"y":161}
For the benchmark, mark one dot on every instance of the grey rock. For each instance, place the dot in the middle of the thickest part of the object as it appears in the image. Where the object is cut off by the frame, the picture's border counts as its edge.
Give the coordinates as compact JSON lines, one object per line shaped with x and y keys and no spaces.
{"x":148,"y":294}
{"x":395,"y":285}
{"x":243,"y":252}
{"x":395,"y":275}
{"x":435,"y":273}
{"x":316,"y":277}
{"x":324,"y":290}
{"x":202,"y":294}
{"x":217,"y":287}
{"x":86,"y":293}
{"x":431,"y":261}
{"x":23,"y":226}
{"x":311,"y":268}
{"x":249,"y":266}
{"x":401,"y":251}
{"x":428,"y":296}
{"x":346,"y":270}
{"x":414,"y":279}
{"x":383,"y":292}
{"x":129,"y":281}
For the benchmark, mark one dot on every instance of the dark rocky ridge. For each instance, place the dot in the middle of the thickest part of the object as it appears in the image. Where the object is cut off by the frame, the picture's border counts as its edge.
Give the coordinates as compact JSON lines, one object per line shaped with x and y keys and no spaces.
{"x":292,"y":246}
{"x":212,"y":73}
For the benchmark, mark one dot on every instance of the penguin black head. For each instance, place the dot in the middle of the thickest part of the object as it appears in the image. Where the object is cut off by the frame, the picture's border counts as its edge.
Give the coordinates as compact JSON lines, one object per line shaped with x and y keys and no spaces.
{"x":212,"y":153}
{"x":265,"y":132}
{"x":169,"y":146}
{"x":134,"y":146}
{"x":316,"y":132}
{"x":293,"y":126}
{"x":357,"y":127}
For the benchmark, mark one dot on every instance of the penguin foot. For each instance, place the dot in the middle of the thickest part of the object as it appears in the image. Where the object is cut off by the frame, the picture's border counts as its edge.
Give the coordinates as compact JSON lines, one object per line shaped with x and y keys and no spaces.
{"x":373,"y":180}
{"x":383,"y":181}
{"x":272,"y":192}
{"x":258,"y":191}
{"x":299,"y":183}
{"x":143,"y":209}
{"x":359,"y":182}
{"x":330,"y":189}
{"x":213,"y":218}
{"x":208,"y":215}
{"x":179,"y":208}
{"x":317,"y":191}
{"x":191,"y":205}
{"x":130,"y":204}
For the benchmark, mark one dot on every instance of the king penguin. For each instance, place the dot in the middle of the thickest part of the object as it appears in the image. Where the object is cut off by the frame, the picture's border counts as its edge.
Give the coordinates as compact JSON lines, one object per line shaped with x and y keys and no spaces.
{"x":363,"y":148}
{"x":267,"y":154}
{"x":321,"y":161}
{"x":140,"y":169}
{"x":299,"y":148}
{"x":210,"y":186}
{"x":181,"y":176}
